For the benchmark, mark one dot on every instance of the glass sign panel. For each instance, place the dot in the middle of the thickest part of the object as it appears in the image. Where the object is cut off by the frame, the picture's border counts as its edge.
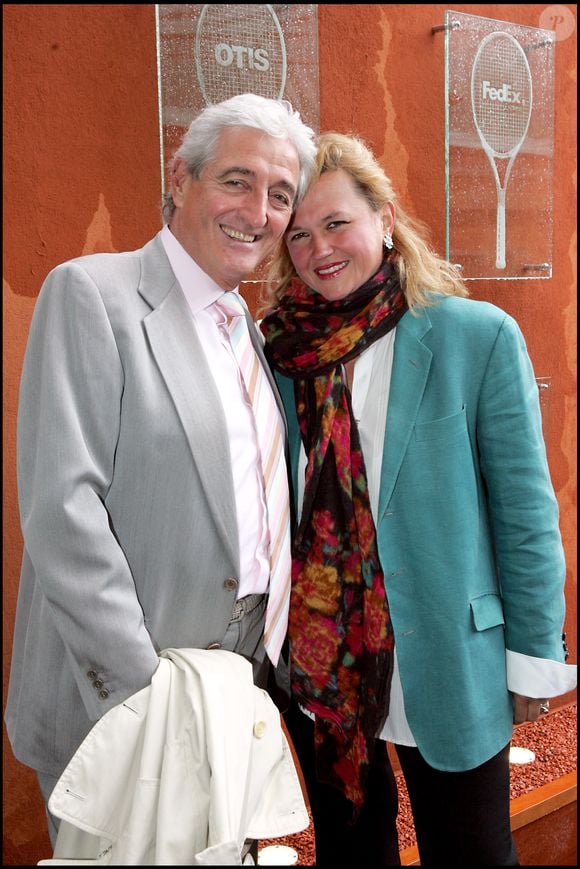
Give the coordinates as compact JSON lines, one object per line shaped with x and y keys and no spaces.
{"x":499,"y":144}
{"x":209,"y":52}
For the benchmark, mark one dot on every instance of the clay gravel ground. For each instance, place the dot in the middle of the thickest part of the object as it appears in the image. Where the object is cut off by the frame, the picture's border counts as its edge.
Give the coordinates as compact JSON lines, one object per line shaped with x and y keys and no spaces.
{"x":553,"y":739}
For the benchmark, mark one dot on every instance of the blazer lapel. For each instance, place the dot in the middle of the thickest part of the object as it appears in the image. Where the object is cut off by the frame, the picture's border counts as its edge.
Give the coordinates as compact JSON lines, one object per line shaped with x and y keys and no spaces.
{"x":411,"y":364}
{"x":183,"y":365}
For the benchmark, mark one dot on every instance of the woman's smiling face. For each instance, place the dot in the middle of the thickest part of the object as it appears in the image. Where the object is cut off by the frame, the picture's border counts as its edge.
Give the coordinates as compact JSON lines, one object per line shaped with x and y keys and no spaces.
{"x":336,"y":238}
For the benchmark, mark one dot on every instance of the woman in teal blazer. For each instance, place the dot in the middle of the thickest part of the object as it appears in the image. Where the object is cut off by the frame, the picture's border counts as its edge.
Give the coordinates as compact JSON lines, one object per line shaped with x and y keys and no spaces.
{"x":428,"y":575}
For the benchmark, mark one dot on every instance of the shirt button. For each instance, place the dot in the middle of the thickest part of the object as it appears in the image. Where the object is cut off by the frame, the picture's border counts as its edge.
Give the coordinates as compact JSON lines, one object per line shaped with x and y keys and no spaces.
{"x":259,"y":729}
{"x":231,"y":584}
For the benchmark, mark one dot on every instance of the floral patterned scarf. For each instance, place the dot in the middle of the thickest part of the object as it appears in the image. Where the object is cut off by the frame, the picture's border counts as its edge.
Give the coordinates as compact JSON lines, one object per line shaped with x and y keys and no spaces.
{"x":340,"y":632}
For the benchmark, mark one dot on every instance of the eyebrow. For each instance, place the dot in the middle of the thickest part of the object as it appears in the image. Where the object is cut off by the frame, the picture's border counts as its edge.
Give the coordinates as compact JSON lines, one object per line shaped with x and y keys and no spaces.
{"x":243,"y":170}
{"x":331,"y":216}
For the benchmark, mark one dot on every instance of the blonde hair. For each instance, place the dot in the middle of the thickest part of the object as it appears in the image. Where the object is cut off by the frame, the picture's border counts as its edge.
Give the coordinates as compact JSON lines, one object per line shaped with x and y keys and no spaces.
{"x":420,"y":270}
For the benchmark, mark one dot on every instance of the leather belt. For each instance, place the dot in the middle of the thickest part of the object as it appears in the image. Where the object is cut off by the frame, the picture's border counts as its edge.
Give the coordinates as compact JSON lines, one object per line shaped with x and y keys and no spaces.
{"x":245,"y":605}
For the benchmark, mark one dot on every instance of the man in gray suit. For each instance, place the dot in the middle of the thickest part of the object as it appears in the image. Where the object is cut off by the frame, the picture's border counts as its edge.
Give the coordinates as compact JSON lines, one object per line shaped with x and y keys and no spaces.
{"x":141,"y":494}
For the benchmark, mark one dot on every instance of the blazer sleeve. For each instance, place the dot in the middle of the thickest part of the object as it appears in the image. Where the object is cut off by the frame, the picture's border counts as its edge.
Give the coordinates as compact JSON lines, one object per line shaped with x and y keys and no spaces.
{"x":523,"y":506}
{"x":68,"y":424}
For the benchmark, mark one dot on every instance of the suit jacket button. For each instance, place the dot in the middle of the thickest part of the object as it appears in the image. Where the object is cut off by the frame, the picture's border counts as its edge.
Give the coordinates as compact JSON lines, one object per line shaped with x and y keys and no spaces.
{"x":98,"y":684}
{"x":91,"y":675}
{"x":231,"y":584}
{"x":103,"y":694}
{"x":215,"y":646}
{"x":259,"y":729}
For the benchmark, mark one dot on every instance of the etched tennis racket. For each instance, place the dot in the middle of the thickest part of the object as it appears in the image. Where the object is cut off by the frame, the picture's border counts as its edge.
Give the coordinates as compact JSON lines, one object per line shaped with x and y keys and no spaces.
{"x":239,"y":48}
{"x":501,"y":101}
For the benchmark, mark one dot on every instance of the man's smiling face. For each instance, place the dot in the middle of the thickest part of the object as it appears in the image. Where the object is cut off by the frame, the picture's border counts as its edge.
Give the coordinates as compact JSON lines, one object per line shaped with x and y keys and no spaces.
{"x":230,"y":218}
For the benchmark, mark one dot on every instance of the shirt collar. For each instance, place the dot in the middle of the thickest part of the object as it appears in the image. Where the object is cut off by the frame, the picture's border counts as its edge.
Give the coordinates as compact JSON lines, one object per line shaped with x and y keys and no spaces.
{"x":198,"y":288}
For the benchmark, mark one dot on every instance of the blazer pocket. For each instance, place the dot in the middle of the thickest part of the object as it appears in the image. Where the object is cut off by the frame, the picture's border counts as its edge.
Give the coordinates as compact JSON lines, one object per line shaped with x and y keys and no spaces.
{"x":442,"y":429}
{"x":487,"y":611}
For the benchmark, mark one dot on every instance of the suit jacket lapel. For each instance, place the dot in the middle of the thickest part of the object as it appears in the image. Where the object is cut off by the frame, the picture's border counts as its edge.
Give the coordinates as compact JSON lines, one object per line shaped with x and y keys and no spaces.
{"x":411,"y":364}
{"x":183,"y":365}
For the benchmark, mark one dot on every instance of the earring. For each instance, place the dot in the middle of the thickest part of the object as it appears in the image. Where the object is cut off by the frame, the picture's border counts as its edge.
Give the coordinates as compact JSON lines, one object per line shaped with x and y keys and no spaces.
{"x":388,"y":240}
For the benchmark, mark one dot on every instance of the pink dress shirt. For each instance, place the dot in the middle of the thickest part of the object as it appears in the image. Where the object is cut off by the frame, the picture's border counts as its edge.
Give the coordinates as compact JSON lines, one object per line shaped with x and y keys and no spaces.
{"x":201,"y":292}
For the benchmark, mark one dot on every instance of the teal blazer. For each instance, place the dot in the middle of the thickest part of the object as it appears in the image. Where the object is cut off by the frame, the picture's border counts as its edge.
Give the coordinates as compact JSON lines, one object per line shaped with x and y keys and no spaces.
{"x":467,"y":526}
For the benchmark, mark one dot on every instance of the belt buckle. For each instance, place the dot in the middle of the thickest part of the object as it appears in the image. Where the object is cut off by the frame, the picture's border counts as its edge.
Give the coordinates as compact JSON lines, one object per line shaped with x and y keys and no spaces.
{"x":237,"y":611}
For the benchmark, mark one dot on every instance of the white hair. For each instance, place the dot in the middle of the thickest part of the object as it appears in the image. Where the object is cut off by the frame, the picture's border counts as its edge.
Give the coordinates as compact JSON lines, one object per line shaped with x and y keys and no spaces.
{"x":277,"y":118}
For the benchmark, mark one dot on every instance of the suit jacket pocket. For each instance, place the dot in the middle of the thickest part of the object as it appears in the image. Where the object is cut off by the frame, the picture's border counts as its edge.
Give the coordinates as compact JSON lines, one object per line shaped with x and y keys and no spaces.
{"x":487,"y":611}
{"x":442,"y":429}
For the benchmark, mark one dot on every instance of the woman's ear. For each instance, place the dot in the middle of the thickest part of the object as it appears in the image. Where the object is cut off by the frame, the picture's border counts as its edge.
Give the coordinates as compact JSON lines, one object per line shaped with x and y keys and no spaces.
{"x":388,"y":217}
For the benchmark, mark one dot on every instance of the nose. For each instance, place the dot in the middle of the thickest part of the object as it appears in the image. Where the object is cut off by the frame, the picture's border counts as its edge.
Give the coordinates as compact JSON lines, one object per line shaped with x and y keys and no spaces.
{"x":320,"y":245}
{"x":255,"y":208}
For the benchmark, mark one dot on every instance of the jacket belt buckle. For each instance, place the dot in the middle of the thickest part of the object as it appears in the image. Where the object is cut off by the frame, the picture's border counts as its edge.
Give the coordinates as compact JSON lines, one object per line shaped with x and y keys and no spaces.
{"x":245,"y":605}
{"x":237,"y":611}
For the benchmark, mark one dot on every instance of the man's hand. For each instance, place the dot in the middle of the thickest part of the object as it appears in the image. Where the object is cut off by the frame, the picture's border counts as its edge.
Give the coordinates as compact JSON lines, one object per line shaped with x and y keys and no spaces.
{"x":528,"y":708}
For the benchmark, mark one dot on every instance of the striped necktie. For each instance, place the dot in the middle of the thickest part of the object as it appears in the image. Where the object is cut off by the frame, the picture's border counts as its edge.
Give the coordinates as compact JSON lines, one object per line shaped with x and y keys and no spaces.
{"x":270,"y":432}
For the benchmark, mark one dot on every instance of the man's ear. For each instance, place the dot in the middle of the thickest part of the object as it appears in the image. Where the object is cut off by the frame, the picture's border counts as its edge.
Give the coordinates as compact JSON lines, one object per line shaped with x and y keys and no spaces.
{"x":179,"y":176}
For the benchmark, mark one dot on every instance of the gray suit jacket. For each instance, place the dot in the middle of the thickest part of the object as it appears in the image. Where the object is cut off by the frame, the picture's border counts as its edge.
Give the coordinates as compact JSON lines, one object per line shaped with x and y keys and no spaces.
{"x":126,"y":498}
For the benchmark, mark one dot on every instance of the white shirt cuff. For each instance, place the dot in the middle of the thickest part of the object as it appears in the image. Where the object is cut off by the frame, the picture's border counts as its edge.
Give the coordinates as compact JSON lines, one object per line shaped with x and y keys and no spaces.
{"x":538,"y":677}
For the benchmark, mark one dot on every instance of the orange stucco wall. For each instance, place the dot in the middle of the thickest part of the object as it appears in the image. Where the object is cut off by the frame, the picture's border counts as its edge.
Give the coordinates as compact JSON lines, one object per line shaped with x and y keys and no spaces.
{"x":82,"y":174}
